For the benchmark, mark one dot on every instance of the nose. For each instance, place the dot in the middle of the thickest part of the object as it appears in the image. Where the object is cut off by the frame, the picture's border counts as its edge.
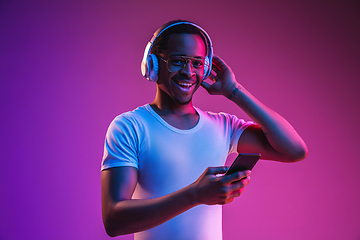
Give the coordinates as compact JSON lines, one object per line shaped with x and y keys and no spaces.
{"x":187,"y":69}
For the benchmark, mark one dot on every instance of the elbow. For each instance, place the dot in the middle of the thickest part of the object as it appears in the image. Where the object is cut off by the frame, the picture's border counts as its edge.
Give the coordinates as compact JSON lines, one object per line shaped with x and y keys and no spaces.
{"x":298,"y":154}
{"x":303,"y":152}
{"x":110,"y":233}
{"x":109,"y":229}
{"x":112,"y":225}
{"x":112,"y":229}
{"x":116,"y":227}
{"x":107,"y":221}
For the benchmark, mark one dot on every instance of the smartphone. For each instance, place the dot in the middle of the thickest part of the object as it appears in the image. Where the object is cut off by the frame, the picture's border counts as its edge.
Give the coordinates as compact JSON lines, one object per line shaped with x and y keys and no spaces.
{"x":244,"y":161}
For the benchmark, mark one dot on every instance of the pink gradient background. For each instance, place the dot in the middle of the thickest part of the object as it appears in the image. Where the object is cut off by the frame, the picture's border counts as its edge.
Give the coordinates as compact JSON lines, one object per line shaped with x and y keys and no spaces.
{"x":67,"y":68}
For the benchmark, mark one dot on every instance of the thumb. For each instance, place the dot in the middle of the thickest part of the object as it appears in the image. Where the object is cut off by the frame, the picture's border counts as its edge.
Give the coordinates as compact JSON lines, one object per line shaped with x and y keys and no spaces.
{"x":205,"y":85}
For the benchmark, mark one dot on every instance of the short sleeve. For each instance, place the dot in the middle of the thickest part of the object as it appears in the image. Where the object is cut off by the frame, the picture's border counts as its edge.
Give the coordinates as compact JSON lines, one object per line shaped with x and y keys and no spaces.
{"x":121,"y":145}
{"x":237,"y":127}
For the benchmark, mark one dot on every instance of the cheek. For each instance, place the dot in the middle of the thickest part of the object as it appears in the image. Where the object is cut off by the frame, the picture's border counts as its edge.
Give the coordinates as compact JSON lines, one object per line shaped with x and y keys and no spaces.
{"x":199,"y":77}
{"x":164,"y":76}
{"x":162,"y":73}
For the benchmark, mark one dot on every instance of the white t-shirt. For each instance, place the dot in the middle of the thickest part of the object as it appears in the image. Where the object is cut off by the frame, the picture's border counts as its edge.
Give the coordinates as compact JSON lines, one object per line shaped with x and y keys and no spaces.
{"x":169,"y":159}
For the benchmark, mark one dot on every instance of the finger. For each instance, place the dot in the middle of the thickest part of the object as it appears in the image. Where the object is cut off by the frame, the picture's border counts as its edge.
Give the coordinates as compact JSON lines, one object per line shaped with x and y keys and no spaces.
{"x":243,"y":182}
{"x":205,"y":85}
{"x":229,"y":200}
{"x":236,"y":193}
{"x":219,"y":63}
{"x":226,"y":201}
{"x":237,"y":176}
{"x":237,"y":185}
{"x":212,"y":77}
{"x":216,"y":170}
{"x":241,"y":190}
{"x":233,"y":195}
{"x":215,"y":67}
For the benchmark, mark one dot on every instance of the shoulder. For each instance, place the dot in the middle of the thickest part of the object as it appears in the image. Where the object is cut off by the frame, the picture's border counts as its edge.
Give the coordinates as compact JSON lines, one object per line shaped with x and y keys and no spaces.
{"x":132,"y":117}
{"x":225,"y":121}
{"x":129,"y":121}
{"x":220,"y":117}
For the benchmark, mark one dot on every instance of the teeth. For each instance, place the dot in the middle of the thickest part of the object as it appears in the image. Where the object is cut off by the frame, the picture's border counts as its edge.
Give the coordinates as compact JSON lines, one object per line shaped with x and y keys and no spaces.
{"x":184,"y":84}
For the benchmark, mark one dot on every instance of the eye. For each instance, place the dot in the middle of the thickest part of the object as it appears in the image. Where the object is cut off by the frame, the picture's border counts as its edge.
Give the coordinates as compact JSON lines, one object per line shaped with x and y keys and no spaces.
{"x":176,"y":61}
{"x":197,"y":63}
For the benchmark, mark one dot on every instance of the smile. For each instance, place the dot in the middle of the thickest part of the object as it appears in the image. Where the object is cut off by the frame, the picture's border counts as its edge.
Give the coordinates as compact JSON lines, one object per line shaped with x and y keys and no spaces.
{"x":184,"y":84}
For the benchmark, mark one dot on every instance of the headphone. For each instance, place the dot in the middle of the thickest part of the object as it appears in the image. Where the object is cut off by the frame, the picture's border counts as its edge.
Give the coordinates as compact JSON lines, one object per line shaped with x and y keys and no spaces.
{"x":150,"y":65}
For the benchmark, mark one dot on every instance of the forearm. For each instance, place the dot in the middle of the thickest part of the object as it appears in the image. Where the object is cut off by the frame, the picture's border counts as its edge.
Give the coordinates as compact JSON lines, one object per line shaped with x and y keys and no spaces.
{"x":123,"y":215}
{"x":134,"y":215}
{"x":280,"y":134}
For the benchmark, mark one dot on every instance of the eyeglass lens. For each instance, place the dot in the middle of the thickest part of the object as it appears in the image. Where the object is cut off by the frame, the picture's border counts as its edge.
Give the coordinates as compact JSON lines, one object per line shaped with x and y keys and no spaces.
{"x":177,"y":62}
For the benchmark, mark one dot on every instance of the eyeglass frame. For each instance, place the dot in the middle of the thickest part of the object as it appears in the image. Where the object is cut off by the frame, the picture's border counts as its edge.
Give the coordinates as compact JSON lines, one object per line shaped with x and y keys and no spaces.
{"x":188,"y":59}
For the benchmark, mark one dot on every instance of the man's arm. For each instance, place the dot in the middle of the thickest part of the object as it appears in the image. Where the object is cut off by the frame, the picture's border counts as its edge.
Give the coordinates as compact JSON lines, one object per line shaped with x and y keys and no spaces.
{"x":123,"y":215}
{"x":274,"y":137}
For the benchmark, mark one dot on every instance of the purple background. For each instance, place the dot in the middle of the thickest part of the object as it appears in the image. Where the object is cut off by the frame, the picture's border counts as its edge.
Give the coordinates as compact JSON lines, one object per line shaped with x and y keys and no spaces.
{"x":67,"y":68}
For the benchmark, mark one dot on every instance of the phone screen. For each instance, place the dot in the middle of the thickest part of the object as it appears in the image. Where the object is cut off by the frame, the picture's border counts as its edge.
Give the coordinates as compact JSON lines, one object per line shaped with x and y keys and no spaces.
{"x":244,"y":161}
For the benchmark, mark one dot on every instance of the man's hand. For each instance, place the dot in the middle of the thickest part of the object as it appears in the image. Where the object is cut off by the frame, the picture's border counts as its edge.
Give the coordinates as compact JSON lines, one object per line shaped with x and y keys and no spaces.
{"x":211,"y":189}
{"x":224,"y":81}
{"x":274,"y":137}
{"x":123,"y":215}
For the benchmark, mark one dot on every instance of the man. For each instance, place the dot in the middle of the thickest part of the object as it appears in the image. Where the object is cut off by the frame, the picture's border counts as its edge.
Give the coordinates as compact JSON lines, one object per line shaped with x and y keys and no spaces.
{"x":162,"y":171}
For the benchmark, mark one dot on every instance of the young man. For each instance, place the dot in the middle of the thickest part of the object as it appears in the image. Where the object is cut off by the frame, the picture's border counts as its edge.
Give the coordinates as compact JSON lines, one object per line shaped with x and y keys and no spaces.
{"x":163,"y":162}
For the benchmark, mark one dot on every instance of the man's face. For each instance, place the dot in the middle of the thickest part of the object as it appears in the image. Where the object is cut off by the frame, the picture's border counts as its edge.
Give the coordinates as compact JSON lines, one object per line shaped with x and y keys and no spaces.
{"x":181,"y":84}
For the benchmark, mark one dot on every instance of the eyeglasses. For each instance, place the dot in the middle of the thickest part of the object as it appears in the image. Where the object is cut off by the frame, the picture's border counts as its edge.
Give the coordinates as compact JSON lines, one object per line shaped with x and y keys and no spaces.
{"x":175,"y":63}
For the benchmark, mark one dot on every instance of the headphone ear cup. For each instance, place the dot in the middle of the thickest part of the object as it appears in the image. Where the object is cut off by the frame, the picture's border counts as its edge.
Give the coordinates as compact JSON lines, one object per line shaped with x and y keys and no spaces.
{"x":207,"y":68}
{"x":153,"y":68}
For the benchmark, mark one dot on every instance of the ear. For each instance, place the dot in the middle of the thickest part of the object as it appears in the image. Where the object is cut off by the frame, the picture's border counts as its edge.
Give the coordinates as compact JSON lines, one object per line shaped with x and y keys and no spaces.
{"x":152,"y":68}
{"x":206,"y":68}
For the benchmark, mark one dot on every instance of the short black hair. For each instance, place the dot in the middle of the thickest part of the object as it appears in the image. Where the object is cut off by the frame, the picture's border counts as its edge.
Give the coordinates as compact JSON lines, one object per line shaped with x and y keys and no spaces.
{"x":160,"y":43}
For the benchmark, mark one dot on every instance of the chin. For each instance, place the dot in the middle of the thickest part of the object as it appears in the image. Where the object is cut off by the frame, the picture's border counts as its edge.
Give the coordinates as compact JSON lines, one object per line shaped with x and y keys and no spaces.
{"x":183,"y":102}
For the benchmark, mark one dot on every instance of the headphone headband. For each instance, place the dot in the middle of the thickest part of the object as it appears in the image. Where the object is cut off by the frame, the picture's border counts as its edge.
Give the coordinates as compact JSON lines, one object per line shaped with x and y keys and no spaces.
{"x":149,"y":64}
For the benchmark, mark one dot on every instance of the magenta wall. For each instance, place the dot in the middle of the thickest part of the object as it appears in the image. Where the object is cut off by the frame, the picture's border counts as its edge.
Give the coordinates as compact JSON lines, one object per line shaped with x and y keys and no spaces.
{"x":67,"y":68}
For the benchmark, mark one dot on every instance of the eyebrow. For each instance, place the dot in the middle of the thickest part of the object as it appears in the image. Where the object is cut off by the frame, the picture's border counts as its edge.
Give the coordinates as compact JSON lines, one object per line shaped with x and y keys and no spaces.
{"x":180,"y":55}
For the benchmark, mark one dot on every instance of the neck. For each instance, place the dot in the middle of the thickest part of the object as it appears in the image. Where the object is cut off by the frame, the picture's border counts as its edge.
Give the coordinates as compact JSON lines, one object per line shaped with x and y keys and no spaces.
{"x":163,"y":104}
{"x":181,"y":116}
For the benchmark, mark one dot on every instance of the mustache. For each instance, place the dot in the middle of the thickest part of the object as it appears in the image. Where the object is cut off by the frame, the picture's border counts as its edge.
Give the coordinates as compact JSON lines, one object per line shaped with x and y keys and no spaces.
{"x":182,"y":78}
